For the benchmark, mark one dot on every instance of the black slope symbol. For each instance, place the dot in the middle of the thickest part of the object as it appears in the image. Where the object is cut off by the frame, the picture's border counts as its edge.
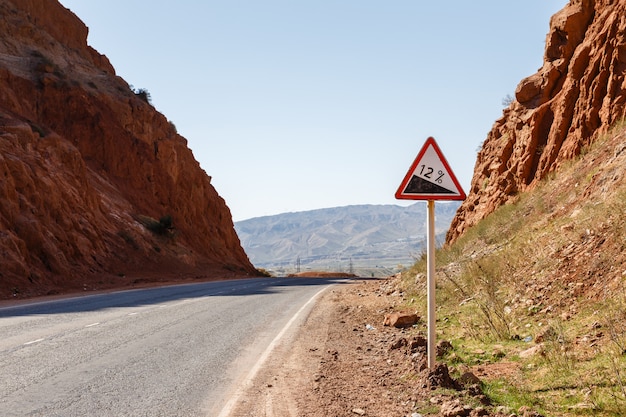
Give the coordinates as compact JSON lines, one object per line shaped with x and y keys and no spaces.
{"x":419,"y":185}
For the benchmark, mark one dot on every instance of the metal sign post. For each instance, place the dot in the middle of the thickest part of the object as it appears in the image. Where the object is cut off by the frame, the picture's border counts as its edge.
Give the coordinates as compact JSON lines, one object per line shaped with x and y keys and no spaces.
{"x":430,"y":178}
{"x":430,"y":289}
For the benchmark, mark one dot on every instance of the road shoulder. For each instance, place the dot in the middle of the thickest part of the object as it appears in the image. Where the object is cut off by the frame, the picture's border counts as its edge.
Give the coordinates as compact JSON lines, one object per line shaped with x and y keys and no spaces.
{"x":290,"y":372}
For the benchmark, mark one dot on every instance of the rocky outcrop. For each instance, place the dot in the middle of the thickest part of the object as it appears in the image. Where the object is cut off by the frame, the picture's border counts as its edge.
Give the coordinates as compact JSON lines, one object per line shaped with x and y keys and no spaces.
{"x":576,"y":95}
{"x":97,"y":189}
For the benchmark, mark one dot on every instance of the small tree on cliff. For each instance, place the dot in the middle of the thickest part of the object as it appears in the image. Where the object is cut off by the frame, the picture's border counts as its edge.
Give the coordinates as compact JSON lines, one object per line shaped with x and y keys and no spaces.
{"x":144,"y":94}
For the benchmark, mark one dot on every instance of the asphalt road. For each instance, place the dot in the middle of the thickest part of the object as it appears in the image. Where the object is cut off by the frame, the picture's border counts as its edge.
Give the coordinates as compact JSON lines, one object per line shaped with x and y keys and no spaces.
{"x":171,"y":351}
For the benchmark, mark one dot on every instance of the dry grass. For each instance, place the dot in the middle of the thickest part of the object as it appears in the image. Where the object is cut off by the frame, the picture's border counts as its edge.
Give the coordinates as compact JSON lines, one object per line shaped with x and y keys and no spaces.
{"x":546,"y":271}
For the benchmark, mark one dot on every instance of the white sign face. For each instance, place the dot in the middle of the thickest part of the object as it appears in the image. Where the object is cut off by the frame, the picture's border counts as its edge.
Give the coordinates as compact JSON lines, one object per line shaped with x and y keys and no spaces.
{"x":430,"y":177}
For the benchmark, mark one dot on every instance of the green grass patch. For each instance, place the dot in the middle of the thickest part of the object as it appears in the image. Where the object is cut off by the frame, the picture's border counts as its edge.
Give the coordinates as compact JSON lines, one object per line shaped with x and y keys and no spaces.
{"x":502,"y":392}
{"x":553,"y":258}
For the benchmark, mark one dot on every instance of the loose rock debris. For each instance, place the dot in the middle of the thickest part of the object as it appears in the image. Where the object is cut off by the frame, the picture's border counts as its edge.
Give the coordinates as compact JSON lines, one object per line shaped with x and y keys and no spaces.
{"x":347,"y":368}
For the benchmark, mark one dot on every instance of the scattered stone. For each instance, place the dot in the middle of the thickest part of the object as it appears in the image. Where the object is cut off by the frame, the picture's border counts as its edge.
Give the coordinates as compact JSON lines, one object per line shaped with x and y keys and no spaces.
{"x":420,"y":363}
{"x":358,"y":411}
{"x":526,"y":411}
{"x":546,"y":334}
{"x":443,"y":347}
{"x":399,"y":343}
{"x":399,"y":319}
{"x":418,"y":342}
{"x":436,"y":400}
{"x":479,"y":412}
{"x":454,"y":358}
{"x":440,"y":378}
{"x":502,"y":409}
{"x":535,"y":350}
{"x":498,"y":354}
{"x":454,"y":409}
{"x":467,"y":379}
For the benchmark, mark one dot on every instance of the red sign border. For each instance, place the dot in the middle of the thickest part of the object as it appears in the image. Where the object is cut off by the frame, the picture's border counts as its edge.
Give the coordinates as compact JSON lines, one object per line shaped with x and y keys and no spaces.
{"x":399,"y":194}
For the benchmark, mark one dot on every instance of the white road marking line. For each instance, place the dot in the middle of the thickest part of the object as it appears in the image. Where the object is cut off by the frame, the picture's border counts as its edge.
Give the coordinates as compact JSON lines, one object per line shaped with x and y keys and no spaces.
{"x":230,"y":405}
{"x":33,"y":341}
{"x":132,"y":314}
{"x":92,"y":324}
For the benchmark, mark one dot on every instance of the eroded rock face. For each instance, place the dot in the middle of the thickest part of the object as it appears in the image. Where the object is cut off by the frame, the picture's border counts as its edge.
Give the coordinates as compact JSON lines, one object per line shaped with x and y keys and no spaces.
{"x":88,"y":168}
{"x":576,"y":95}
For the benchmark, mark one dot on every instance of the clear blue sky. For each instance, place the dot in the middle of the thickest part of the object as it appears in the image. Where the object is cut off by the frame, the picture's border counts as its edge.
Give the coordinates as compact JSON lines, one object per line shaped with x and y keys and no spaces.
{"x":298,"y":105}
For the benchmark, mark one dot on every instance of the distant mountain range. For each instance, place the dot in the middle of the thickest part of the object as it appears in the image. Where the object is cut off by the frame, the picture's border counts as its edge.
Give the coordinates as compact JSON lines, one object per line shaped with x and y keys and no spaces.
{"x":365,"y":239}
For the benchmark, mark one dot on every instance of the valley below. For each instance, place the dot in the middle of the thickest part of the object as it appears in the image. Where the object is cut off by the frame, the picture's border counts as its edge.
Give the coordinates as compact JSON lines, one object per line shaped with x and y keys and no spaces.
{"x":366,"y":240}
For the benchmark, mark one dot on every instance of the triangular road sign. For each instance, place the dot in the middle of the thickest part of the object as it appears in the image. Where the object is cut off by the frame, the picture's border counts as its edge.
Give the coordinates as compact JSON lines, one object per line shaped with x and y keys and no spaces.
{"x":430,"y":177}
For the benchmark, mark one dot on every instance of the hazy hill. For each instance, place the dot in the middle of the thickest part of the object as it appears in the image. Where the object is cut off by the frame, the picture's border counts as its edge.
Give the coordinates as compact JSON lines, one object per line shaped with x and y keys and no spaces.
{"x":370,"y":236}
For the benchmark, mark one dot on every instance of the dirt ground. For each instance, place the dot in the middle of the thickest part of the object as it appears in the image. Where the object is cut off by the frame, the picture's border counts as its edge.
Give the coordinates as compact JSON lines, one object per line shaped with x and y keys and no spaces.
{"x":344,"y":362}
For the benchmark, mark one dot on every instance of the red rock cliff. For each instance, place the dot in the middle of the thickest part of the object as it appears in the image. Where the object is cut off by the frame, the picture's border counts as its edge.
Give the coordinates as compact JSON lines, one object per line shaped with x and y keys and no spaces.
{"x":578,"y":93}
{"x":96,"y":187}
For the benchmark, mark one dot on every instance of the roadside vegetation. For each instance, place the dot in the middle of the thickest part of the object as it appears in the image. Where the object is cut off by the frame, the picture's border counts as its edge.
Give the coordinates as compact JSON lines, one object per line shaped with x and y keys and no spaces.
{"x":533,"y":298}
